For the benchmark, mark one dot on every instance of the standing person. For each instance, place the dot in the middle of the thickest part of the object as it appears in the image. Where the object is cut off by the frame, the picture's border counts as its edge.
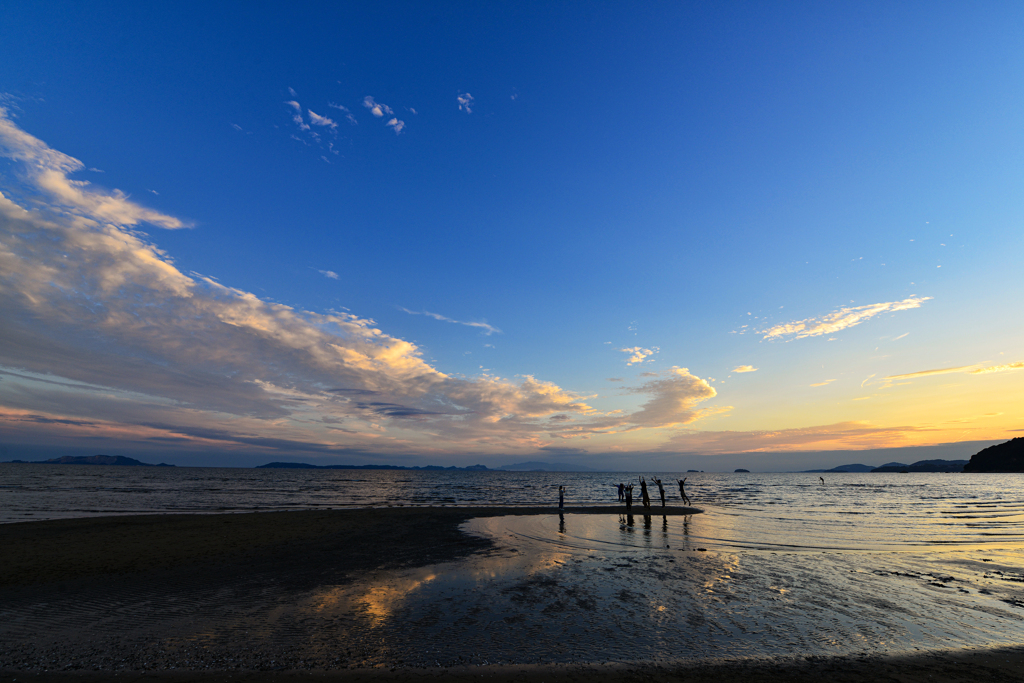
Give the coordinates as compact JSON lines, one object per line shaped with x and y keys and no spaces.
{"x":682,"y":491}
{"x":645,"y":498}
{"x":629,"y":498}
{"x":661,"y":490}
{"x":622,"y":492}
{"x":561,"y":497}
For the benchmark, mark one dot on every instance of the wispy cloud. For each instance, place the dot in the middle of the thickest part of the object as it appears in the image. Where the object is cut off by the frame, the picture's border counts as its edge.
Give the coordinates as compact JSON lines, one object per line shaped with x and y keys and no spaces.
{"x":638,"y":354}
{"x":976,"y":369}
{"x":348,"y":114}
{"x":1006,"y":367}
{"x":465,"y":101}
{"x":822,"y":384}
{"x":329,"y":273}
{"x":487,"y":329}
{"x":48,"y":170}
{"x":297,"y":115}
{"x":744,"y":368}
{"x":376,"y":108}
{"x":852,"y":435}
{"x":111,"y":341}
{"x":318,"y":120}
{"x":839,"y":319}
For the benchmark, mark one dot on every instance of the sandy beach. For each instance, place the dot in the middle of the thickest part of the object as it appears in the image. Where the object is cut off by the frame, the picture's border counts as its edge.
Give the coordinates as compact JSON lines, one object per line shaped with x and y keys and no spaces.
{"x":289,"y":596}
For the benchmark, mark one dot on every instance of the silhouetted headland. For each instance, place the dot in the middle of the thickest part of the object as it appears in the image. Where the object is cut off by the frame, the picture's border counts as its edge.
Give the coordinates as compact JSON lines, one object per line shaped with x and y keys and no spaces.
{"x":1004,"y":457}
{"x":925,"y":466}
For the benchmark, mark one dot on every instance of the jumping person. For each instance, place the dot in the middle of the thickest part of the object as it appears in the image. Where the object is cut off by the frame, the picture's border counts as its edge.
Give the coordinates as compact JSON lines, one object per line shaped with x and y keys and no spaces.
{"x":661,"y":490}
{"x":682,"y":491}
{"x":645,"y":498}
{"x":822,"y":479}
{"x":622,"y":492}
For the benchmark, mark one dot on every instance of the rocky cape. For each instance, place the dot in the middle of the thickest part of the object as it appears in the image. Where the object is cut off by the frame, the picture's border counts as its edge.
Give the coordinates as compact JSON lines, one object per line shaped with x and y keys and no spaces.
{"x":1004,"y":457}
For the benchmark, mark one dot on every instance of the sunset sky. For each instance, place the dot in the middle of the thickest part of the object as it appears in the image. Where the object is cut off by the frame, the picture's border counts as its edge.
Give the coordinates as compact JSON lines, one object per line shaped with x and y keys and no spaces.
{"x":619,"y":235}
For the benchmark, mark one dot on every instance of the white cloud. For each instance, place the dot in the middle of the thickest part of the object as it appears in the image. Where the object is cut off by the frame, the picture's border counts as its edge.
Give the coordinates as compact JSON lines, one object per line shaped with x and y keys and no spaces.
{"x":1006,"y":367}
{"x":348,"y":114}
{"x":839,"y":319}
{"x":47,"y":170}
{"x":329,"y":273}
{"x":396,"y":125}
{"x":673,"y":399}
{"x":487,"y":329}
{"x":376,"y":108}
{"x":117,"y":343}
{"x":318,"y":120}
{"x":744,"y":368}
{"x":297,"y":116}
{"x":465,"y":102}
{"x":976,"y":369}
{"x":638,"y":354}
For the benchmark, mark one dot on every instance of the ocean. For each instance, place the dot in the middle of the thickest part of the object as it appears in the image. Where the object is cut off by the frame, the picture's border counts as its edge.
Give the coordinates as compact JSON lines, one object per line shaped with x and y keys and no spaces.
{"x":777,"y":565}
{"x":850,"y":511}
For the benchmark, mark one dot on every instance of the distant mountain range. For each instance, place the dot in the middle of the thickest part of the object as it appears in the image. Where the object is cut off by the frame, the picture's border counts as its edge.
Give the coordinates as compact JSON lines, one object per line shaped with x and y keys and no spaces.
{"x":919,"y":466}
{"x":521,"y":467}
{"x":118,"y":460}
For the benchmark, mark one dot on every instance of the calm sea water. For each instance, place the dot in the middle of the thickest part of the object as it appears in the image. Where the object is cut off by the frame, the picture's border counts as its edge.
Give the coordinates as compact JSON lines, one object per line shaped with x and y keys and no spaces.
{"x":777,"y":565}
{"x":849,"y":512}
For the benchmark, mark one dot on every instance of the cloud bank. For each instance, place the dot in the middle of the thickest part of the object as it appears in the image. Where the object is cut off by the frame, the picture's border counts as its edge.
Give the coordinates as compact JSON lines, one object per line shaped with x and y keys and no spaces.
{"x":105,"y":338}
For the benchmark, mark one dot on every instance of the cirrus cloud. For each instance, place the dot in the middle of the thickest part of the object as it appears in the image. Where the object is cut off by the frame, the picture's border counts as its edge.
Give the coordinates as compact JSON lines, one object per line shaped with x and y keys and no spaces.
{"x":838,"y":320}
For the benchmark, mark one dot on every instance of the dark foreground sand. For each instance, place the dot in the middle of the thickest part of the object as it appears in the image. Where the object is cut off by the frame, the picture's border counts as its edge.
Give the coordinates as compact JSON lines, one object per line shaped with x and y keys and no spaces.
{"x":77,"y":562}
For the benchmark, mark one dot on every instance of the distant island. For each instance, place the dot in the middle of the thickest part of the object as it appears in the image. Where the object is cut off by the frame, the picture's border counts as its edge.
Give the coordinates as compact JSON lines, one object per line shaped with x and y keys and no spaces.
{"x":742,"y":470}
{"x":924,"y":466}
{"x":117,"y":460}
{"x":521,"y":467}
{"x":1003,"y":457}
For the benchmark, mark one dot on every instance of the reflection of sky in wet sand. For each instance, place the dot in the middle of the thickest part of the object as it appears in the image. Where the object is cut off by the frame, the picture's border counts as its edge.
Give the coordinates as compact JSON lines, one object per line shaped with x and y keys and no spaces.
{"x":602,"y":588}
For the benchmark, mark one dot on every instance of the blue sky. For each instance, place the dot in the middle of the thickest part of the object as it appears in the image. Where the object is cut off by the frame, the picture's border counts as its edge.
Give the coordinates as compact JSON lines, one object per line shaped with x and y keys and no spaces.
{"x":552,"y":229}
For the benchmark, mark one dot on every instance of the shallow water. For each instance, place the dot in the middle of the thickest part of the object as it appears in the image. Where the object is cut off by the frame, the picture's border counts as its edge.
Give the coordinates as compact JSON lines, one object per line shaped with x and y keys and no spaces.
{"x":777,"y":565}
{"x":607,"y":588}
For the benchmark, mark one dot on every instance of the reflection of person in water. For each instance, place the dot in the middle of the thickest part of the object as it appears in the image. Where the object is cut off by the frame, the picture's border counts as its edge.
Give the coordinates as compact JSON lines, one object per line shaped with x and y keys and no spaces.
{"x":682,"y":491}
{"x":661,"y":490}
{"x":561,"y":497}
{"x":561,"y":523}
{"x":645,"y":498}
{"x":629,"y":498}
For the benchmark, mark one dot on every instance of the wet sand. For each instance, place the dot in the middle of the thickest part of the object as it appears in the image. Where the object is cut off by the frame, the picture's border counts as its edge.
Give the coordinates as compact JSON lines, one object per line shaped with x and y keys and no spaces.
{"x":89,"y":599}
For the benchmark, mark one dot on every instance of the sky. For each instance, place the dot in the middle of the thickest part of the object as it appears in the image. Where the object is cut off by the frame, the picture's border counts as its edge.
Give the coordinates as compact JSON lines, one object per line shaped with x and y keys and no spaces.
{"x":619,"y":235}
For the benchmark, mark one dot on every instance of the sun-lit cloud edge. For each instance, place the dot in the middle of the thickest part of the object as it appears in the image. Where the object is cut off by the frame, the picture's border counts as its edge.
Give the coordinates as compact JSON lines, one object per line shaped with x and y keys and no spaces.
{"x":840,"y":319}
{"x":89,"y":300}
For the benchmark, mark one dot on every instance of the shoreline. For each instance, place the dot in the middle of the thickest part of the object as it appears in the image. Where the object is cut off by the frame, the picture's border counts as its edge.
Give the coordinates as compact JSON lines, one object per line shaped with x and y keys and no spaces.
{"x":118,"y":571}
{"x":55,"y":550}
{"x":998,"y":665}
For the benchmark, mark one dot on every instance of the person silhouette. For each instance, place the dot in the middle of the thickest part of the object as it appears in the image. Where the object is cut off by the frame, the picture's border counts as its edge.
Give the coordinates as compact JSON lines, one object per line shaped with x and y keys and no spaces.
{"x":629,"y":498}
{"x":645,"y":497}
{"x":661,"y":490}
{"x":622,"y":492}
{"x":561,"y":497}
{"x":682,"y":491}
{"x":822,"y":479}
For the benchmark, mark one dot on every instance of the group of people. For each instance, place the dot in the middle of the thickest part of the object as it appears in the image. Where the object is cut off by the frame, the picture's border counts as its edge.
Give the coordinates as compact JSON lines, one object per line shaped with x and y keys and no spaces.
{"x":626,"y":492}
